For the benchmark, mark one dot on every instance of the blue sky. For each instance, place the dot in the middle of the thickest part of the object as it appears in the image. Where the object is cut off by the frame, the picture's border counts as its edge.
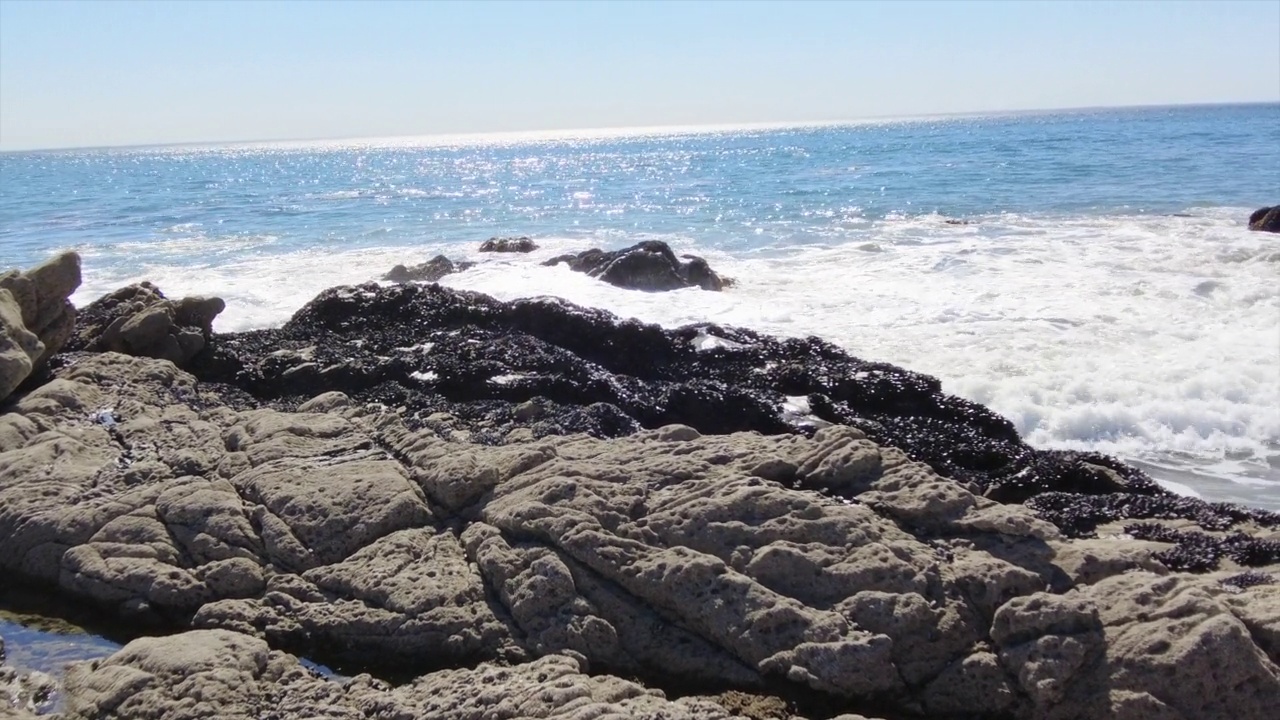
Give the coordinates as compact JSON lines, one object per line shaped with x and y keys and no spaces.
{"x":121,"y":73}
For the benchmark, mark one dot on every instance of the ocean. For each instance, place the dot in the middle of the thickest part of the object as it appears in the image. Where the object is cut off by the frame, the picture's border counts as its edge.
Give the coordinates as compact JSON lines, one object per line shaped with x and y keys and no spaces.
{"x":1088,"y":273}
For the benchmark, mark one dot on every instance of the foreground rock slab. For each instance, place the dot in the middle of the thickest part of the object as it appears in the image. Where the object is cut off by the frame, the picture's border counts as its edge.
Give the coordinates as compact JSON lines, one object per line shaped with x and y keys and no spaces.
{"x":214,"y":673}
{"x":827,"y":569}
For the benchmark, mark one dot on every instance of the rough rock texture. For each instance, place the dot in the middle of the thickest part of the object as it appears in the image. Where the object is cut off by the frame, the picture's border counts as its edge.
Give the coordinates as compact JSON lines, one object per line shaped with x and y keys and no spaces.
{"x":1266,"y":219}
{"x":460,"y":361}
{"x":429,"y":271}
{"x":508,"y":245}
{"x":36,"y":318}
{"x":139,"y":320}
{"x":20,"y":349}
{"x":650,"y":265}
{"x":215,"y":673}
{"x":828,"y":570}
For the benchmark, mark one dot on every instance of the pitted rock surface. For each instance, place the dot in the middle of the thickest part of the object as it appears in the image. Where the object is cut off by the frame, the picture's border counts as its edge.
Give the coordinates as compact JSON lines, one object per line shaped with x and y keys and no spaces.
{"x":217,"y":673}
{"x":826,"y":568}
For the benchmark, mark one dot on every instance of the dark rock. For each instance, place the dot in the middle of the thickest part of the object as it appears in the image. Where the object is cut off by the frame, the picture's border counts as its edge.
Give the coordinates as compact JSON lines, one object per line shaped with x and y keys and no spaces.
{"x":1079,"y":515}
{"x":139,"y":320}
{"x":429,"y":271}
{"x":1249,"y":579}
{"x":650,"y":265}
{"x":1199,"y":552}
{"x":509,"y":245}
{"x":1266,"y":219}
{"x":431,"y":349}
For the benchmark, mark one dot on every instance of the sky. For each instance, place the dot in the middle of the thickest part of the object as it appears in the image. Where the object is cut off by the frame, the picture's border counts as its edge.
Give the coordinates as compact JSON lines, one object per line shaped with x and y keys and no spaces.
{"x":99,"y":73}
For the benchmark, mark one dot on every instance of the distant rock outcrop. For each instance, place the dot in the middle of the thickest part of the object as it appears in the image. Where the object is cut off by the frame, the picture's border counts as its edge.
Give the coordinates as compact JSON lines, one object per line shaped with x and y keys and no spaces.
{"x":429,"y":271}
{"x":139,"y":320}
{"x":650,"y":265}
{"x":1266,"y":219}
{"x":509,"y":245}
{"x":36,"y":317}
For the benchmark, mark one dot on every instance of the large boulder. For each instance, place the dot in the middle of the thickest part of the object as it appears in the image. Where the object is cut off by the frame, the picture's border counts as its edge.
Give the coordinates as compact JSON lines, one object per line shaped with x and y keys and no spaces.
{"x":43,"y":294}
{"x":429,"y":271}
{"x":1266,"y":219}
{"x":36,"y":317}
{"x":650,"y":265}
{"x":139,"y":320}
{"x":508,"y":245}
{"x":20,"y":349}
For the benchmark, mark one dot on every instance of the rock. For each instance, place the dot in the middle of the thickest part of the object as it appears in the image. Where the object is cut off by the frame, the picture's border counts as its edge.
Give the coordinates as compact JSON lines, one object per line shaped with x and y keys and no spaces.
{"x":650,"y":265}
{"x":1265,"y":219}
{"x":437,"y":350}
{"x":508,"y":245}
{"x":504,"y":573}
{"x":20,"y":349}
{"x":139,"y":320}
{"x":429,"y":271}
{"x":216,"y":673}
{"x":38,"y":301}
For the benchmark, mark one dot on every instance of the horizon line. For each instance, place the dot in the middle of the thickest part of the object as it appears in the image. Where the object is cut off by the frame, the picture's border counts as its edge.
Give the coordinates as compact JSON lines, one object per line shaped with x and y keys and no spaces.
{"x":611,"y":131}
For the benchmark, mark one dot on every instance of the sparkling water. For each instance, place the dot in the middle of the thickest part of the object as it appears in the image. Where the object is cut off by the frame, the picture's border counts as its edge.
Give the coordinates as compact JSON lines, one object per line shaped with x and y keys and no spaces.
{"x":1088,"y":273}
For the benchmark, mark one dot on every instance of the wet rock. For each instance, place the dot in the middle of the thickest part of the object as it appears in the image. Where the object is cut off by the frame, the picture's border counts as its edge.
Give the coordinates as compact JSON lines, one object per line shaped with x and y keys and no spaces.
{"x":650,"y":265}
{"x":429,"y":271}
{"x":508,"y":245}
{"x":139,"y":320}
{"x":1265,"y":219}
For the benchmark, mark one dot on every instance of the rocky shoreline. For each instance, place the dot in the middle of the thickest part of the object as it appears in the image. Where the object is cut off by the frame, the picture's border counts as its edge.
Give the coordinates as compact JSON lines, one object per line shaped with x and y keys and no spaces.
{"x":537,"y":510}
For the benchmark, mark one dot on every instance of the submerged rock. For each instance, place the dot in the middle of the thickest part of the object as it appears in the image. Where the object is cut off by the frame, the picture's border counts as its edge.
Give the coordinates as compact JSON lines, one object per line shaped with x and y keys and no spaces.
{"x":1265,"y":219}
{"x":139,"y":320}
{"x":23,"y":694}
{"x":509,"y":245}
{"x":650,"y":265}
{"x":429,"y":271}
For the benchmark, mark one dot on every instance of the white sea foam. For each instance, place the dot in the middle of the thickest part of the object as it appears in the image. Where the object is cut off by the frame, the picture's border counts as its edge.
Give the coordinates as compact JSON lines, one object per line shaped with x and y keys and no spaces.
{"x":507,"y":379}
{"x":1154,"y":338}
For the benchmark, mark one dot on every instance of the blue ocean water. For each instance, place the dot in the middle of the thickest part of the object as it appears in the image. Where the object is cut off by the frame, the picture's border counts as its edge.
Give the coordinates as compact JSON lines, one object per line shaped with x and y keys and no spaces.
{"x":1086,"y":273}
